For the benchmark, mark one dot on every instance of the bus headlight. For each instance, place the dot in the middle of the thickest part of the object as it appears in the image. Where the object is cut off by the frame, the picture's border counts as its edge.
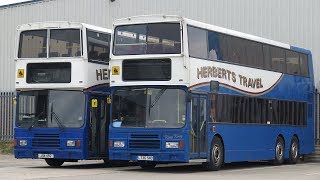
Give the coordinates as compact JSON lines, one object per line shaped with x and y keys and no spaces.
{"x":171,"y":145}
{"x":23,"y":142}
{"x":118,"y":144}
{"x":71,"y":143}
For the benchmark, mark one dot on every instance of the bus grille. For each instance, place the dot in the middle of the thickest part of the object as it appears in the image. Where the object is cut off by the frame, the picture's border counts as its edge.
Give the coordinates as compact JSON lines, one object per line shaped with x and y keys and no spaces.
{"x":144,"y":141}
{"x":144,"y":144}
{"x":145,"y":136}
{"x":46,"y":140}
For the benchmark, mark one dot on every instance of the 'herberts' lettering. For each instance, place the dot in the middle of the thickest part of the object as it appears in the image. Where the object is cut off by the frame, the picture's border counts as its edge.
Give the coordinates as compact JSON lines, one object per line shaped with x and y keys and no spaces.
{"x":102,"y":74}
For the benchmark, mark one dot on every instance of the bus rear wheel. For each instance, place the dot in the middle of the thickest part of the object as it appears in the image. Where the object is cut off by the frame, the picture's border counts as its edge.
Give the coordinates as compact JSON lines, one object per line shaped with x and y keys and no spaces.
{"x":147,"y":164}
{"x":294,"y":151}
{"x":279,"y":152}
{"x":54,"y":162}
{"x":216,"y":155}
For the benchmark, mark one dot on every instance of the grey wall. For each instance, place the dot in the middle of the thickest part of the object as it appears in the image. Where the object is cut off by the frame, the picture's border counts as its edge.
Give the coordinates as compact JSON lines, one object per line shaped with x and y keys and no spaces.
{"x":295,"y":22}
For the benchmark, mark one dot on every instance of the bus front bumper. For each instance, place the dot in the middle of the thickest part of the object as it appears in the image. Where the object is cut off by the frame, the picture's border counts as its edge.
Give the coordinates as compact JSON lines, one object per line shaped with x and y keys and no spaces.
{"x":169,"y":156}
{"x":68,"y":154}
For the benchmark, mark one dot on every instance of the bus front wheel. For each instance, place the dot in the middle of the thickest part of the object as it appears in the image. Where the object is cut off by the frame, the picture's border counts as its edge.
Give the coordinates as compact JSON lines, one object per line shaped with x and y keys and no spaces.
{"x":147,"y":164}
{"x":54,"y":162}
{"x":216,"y":155}
{"x":279,"y":152}
{"x":294,"y":151}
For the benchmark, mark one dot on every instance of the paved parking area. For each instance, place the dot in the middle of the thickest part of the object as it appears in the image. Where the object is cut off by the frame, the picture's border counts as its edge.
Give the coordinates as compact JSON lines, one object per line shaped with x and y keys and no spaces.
{"x":11,"y":168}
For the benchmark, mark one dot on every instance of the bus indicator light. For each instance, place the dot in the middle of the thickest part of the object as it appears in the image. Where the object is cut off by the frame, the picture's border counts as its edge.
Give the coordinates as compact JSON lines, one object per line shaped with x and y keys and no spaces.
{"x":111,"y":143}
{"x":181,"y":145}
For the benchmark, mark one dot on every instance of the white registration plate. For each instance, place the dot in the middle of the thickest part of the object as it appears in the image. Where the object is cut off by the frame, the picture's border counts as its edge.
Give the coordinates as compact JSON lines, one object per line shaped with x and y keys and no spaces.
{"x":45,"y":156}
{"x":145,"y":158}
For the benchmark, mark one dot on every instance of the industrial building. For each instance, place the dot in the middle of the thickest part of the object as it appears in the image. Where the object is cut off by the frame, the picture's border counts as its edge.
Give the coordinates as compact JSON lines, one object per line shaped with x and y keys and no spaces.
{"x":295,"y":22}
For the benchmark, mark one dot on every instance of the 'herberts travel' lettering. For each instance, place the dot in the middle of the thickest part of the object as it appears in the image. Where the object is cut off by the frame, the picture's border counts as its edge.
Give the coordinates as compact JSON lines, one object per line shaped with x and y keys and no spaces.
{"x":222,"y":73}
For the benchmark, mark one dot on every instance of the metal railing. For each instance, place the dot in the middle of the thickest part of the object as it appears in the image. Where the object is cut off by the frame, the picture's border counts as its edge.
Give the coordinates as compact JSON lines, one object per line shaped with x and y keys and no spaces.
{"x":7,"y":109}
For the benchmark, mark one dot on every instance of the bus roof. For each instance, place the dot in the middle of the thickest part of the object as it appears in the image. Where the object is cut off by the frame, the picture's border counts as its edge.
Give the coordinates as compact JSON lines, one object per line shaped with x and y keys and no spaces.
{"x":59,"y":24}
{"x":174,"y":18}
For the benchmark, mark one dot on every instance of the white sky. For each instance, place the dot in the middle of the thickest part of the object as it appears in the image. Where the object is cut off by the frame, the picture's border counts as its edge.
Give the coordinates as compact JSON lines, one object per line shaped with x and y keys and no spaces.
{"x":5,"y":2}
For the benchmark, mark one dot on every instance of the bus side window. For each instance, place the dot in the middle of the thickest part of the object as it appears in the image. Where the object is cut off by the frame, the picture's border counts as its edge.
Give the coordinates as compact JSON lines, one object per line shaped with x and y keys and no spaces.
{"x":197,"y":42}
{"x":236,"y":50}
{"x":304,"y":69}
{"x":254,"y":54}
{"x":213,"y":105}
{"x":266,"y":57}
{"x":278,"y":62}
{"x":98,"y":46}
{"x":215,"y":43}
{"x":292,"y":60}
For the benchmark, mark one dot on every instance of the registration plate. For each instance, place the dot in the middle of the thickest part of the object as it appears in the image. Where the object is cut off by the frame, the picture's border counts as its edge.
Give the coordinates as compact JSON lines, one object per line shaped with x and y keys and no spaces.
{"x":145,"y":158}
{"x":45,"y":156}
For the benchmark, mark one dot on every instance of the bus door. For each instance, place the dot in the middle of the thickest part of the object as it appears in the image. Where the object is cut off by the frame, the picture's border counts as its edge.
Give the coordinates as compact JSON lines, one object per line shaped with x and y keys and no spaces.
{"x":99,"y":126}
{"x":198,"y":134}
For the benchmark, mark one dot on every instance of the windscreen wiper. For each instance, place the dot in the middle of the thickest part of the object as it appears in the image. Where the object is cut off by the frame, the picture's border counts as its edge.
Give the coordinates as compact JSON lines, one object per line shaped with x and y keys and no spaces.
{"x":56,"y":118}
{"x":35,"y":120}
{"x":156,"y":99}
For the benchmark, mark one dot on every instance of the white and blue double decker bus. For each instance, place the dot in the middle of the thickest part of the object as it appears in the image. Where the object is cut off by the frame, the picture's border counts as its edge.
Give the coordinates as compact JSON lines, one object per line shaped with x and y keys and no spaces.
{"x":187,"y":91}
{"x":62,"y":85}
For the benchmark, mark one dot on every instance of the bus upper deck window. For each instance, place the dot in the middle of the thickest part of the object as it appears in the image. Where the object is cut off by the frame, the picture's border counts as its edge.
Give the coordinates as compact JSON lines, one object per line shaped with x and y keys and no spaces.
{"x":155,"y":38}
{"x":33,"y":44}
{"x":64,"y":43}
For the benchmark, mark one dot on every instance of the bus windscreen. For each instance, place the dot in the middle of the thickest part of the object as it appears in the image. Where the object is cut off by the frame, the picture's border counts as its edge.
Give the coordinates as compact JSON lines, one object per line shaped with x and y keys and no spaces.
{"x":156,"y":38}
{"x":149,"y":108}
{"x":50,"y":108}
{"x":61,"y":43}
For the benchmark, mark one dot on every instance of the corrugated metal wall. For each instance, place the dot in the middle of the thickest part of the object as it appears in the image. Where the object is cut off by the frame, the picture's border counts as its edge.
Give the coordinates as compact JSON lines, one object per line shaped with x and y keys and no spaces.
{"x":295,"y":22}
{"x":291,"y":21}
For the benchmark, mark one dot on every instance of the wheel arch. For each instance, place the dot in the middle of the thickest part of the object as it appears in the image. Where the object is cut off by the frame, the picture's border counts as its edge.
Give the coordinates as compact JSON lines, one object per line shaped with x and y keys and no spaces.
{"x":283,"y":139}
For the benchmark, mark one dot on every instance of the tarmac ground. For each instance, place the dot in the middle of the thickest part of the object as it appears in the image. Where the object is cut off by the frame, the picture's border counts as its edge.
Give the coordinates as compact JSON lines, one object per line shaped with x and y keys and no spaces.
{"x":11,"y":168}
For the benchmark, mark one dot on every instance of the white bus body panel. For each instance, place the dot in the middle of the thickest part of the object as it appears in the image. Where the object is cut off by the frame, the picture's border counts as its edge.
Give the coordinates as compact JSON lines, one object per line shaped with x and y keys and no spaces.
{"x":83,"y":75}
{"x":178,"y":73}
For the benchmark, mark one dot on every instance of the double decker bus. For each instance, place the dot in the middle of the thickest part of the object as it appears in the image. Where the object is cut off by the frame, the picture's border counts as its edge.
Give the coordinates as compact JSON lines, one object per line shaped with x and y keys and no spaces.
{"x":62,"y":83}
{"x":186,"y":91}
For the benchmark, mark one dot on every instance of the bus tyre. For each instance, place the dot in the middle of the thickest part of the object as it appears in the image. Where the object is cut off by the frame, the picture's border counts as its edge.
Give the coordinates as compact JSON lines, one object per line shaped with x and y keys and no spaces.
{"x":279,"y":152}
{"x":216,"y":155}
{"x":118,"y":163}
{"x":147,"y":164}
{"x":54,"y":162}
{"x":294,"y":151}
{"x":107,"y":162}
